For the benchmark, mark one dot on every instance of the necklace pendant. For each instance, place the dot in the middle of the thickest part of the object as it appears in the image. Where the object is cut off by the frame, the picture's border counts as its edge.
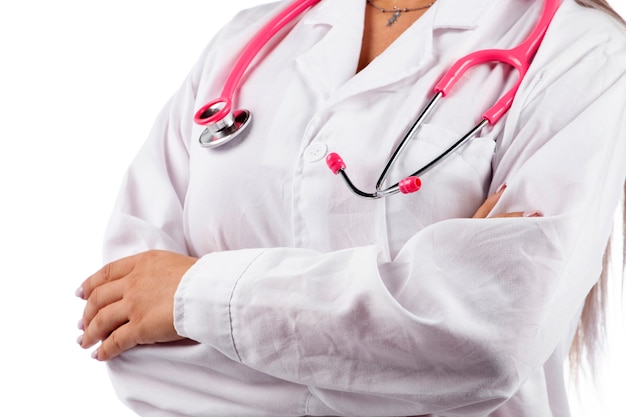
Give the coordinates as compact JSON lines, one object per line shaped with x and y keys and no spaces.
{"x":394,"y":17}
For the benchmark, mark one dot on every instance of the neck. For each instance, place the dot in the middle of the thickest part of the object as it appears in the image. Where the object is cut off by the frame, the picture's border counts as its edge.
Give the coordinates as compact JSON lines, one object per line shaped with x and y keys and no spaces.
{"x":383,"y":28}
{"x":402,"y":4}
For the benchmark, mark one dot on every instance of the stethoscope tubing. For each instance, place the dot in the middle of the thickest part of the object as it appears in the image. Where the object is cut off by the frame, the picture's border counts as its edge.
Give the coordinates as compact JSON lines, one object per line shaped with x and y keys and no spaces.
{"x":223,"y":125}
{"x":219,"y":108}
{"x":518,"y":57}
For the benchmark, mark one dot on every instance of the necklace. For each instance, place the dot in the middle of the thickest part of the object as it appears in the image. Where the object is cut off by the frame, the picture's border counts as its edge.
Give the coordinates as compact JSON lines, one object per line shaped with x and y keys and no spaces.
{"x":397,"y":11}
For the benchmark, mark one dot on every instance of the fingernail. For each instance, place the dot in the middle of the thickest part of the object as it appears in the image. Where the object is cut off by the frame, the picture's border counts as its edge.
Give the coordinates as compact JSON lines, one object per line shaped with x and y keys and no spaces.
{"x":501,"y":188}
{"x":80,"y":293}
{"x":94,"y":354}
{"x":79,"y":340}
{"x":533,"y":214}
{"x":81,"y":324}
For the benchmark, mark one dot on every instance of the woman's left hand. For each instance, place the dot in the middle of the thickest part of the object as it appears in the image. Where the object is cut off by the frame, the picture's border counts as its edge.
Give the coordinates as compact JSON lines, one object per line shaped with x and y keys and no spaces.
{"x":130,"y":302}
{"x":485,"y":209}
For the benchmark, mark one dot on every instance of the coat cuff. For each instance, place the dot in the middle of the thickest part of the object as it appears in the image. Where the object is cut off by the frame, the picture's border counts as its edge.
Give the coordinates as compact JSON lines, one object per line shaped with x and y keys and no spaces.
{"x":202,"y":300}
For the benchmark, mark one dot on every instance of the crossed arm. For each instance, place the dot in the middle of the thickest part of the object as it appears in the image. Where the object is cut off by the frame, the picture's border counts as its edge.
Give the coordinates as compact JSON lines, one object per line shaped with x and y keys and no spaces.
{"x":130,"y":301}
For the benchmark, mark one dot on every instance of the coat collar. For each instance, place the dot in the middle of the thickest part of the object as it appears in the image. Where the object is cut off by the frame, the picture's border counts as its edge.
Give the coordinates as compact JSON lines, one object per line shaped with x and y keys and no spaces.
{"x":461,"y":14}
{"x":452,"y":14}
{"x":340,"y":25}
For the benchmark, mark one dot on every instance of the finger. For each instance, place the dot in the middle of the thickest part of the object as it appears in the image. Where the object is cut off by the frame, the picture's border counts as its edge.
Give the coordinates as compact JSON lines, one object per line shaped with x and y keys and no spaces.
{"x":106,"y":322}
{"x":533,"y":214}
{"x":101,"y":297}
{"x":491,"y":201}
{"x":118,"y":342}
{"x":110,"y":272}
{"x":513,"y":214}
{"x":519,"y":214}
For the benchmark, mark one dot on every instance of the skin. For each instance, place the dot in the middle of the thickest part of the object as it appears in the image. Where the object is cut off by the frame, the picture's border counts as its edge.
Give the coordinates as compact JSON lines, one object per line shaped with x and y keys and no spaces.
{"x":377,"y":36}
{"x":130,"y":302}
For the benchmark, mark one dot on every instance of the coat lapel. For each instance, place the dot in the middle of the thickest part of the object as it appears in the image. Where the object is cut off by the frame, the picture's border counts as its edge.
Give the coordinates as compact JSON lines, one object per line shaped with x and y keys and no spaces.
{"x":329,"y":66}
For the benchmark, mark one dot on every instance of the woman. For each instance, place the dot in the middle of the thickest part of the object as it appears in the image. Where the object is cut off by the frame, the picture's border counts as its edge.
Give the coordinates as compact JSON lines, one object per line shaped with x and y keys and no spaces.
{"x":275,"y":291}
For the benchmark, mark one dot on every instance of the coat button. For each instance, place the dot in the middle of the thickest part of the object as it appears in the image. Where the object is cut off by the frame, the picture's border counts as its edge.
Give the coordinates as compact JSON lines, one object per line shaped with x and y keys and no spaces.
{"x":315,"y":152}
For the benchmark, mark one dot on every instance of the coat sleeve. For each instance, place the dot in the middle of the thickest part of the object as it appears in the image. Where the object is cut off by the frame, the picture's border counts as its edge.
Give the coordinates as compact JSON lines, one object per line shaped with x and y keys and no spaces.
{"x":469,"y":309}
{"x":148,"y":212}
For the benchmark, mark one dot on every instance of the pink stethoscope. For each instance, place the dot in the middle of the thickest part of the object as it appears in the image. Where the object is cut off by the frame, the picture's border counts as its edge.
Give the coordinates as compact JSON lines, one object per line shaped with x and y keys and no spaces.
{"x":223,"y":124}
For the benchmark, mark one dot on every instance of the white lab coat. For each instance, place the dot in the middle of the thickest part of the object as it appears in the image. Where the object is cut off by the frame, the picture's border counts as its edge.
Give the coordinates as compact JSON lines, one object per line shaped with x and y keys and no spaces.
{"x":308,"y":300}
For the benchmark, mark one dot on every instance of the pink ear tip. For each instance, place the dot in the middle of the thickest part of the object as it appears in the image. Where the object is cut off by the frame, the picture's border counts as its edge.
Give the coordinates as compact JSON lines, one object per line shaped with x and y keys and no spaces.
{"x":410,"y":185}
{"x":335,"y":163}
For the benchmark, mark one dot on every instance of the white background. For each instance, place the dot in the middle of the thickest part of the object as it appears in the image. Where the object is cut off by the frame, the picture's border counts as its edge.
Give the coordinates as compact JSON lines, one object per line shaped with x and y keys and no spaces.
{"x":80,"y":85}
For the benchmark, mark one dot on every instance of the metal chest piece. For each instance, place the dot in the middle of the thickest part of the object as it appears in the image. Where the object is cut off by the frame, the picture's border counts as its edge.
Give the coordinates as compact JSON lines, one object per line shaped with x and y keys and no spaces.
{"x":233,"y":126}
{"x":225,"y":127}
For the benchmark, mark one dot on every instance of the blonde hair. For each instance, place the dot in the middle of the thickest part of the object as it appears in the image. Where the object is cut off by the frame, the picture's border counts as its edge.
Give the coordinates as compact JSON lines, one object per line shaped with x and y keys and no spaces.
{"x":601,"y":5}
{"x":591,"y":331}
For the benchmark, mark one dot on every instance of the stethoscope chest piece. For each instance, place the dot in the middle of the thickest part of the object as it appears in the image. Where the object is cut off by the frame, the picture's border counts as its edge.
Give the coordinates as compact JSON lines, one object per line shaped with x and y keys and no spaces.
{"x":222,"y":125}
{"x":212,"y":138}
